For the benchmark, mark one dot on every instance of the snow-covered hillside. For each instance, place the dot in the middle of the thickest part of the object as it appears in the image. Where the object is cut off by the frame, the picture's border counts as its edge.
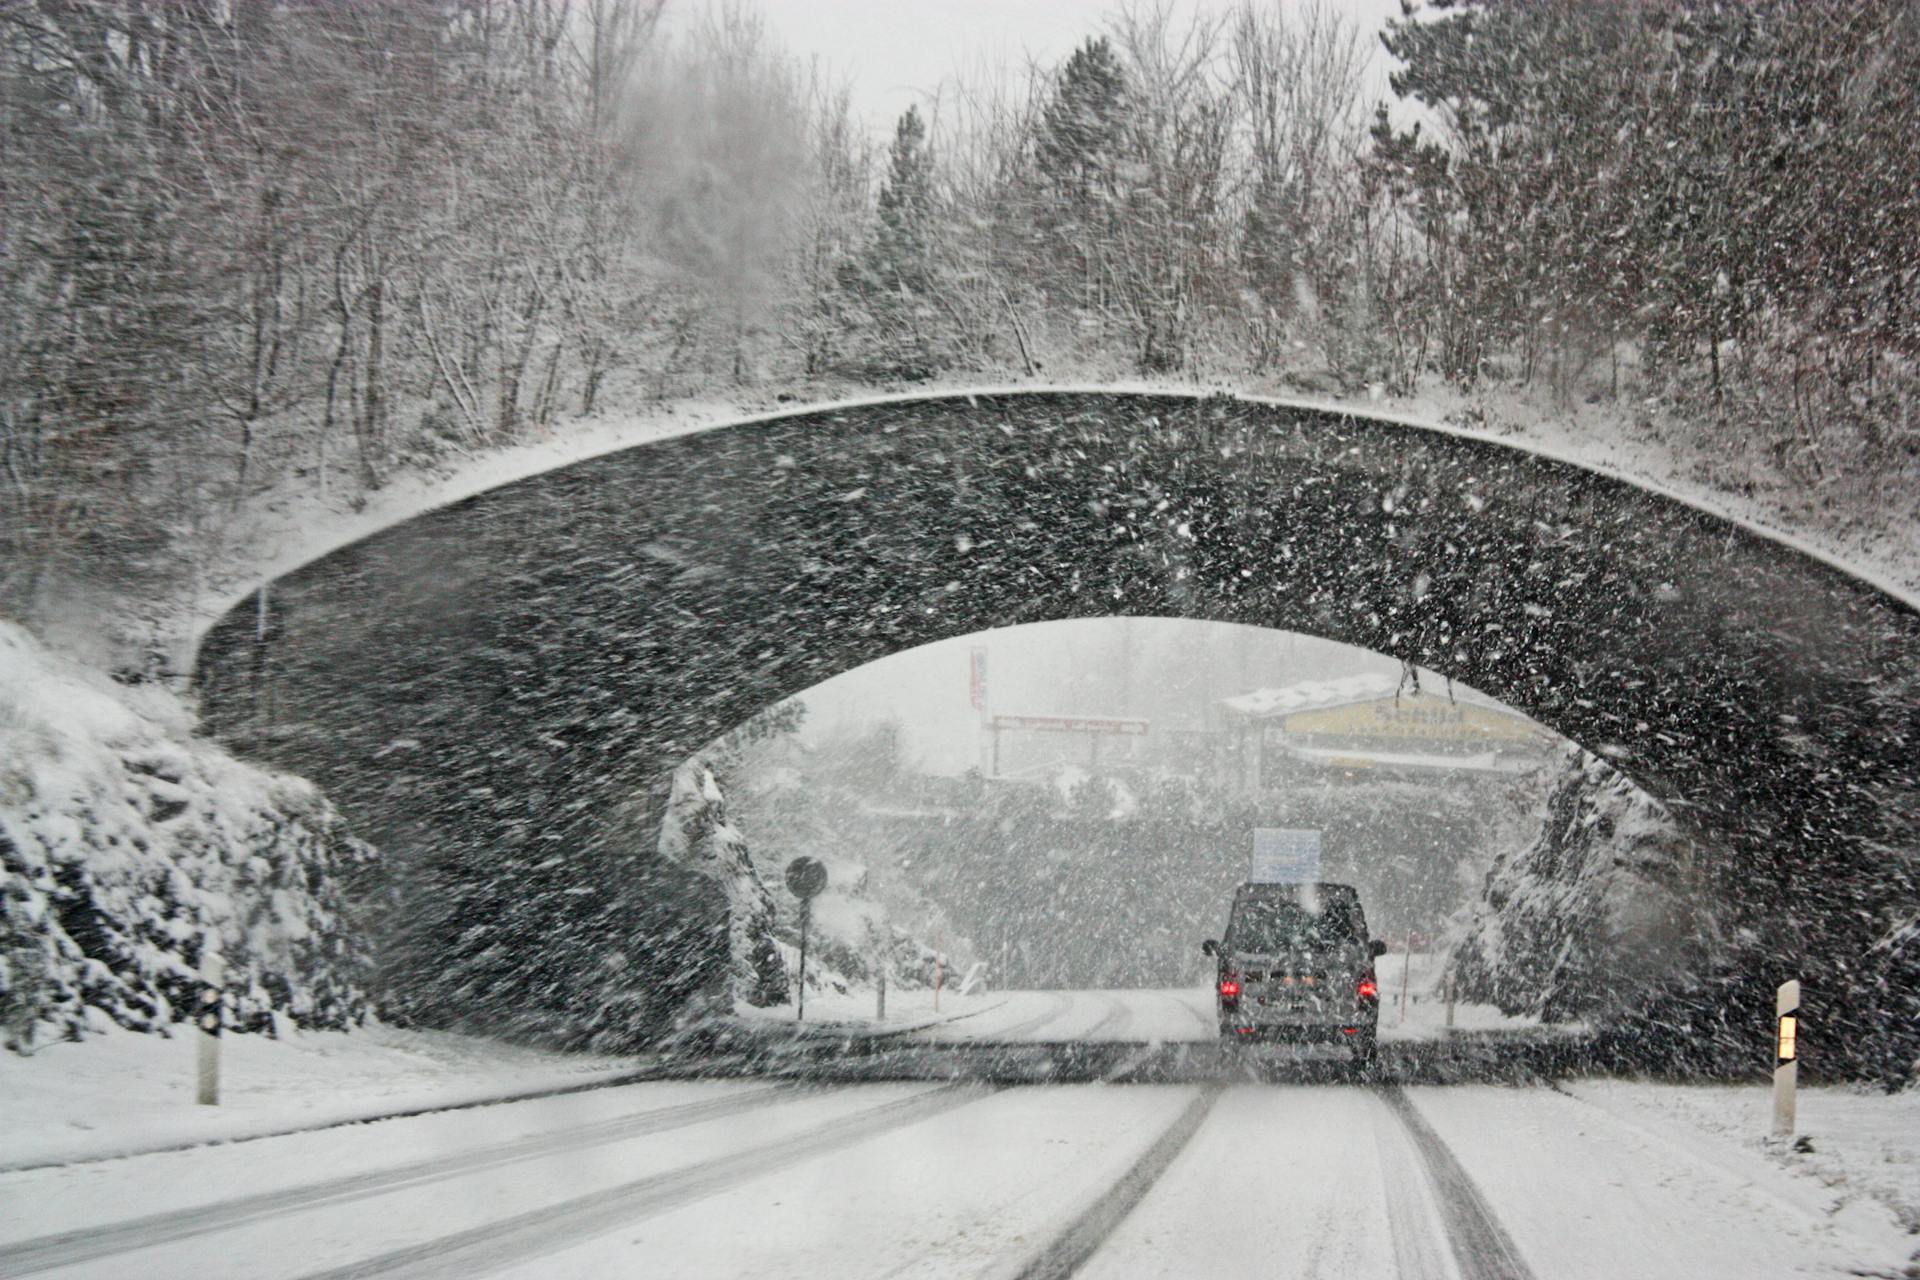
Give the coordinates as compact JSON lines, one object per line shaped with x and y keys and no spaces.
{"x":130,"y":848}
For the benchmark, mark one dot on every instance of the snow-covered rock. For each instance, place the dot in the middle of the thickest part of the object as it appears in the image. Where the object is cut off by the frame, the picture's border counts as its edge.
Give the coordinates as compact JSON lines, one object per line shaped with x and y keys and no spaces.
{"x":130,"y":848}
{"x":1603,"y":905}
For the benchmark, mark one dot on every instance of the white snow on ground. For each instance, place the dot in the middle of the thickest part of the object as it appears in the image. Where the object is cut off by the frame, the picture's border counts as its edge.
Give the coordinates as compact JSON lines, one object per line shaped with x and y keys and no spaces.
{"x":1416,"y":1009}
{"x":855,"y":1011}
{"x":1281,"y":1183}
{"x":1002,"y":1016}
{"x":967,"y":1193}
{"x":337,"y":1233}
{"x":45,"y":1201}
{"x":286,"y":528}
{"x":1632,"y":1186}
{"x":1864,"y":1144}
{"x":1602,"y":1179}
{"x":121,"y":1092}
{"x":1183,"y":1014}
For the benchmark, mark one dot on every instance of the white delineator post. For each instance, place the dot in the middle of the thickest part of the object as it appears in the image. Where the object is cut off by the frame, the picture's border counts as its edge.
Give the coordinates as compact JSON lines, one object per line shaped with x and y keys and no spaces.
{"x":213,"y":971}
{"x":1786,"y":1056}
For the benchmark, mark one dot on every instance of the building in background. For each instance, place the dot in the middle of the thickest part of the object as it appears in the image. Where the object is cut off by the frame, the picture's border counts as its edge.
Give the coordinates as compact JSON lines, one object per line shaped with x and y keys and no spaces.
{"x":1369,"y":726}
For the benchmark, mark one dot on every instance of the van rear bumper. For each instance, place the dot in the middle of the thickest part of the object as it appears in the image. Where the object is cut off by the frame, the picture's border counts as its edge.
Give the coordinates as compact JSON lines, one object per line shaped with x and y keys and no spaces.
{"x":1297,"y":1032}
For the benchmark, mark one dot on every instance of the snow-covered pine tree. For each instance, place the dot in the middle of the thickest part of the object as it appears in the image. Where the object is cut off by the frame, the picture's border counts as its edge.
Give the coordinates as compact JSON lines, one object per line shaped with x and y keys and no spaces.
{"x":695,"y":834}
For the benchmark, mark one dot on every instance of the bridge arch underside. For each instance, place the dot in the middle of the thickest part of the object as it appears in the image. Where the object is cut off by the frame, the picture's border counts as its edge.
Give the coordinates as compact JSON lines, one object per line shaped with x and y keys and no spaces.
{"x":485,"y":689}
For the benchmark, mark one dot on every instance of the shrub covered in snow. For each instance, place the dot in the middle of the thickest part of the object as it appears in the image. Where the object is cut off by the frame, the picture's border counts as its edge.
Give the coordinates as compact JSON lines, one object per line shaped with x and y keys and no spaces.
{"x":128,"y":846}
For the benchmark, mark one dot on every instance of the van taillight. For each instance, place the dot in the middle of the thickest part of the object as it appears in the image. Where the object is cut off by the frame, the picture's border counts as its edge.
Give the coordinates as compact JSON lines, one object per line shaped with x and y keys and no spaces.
{"x":1230,"y":987}
{"x":1368,"y":989}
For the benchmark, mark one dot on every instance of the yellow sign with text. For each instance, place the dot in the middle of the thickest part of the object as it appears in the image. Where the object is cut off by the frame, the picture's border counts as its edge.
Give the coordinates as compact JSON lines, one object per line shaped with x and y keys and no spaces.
{"x":1435,"y":719}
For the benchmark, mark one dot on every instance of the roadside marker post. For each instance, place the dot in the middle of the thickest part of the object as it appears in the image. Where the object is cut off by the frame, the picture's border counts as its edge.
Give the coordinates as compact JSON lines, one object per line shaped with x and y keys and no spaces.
{"x":1786,"y":1056}
{"x":213,"y":972}
{"x":806,"y":877}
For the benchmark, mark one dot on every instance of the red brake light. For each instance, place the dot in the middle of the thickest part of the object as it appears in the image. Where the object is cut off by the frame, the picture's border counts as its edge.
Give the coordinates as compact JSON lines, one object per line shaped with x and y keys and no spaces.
{"x":1368,"y":989}
{"x":1229,"y":987}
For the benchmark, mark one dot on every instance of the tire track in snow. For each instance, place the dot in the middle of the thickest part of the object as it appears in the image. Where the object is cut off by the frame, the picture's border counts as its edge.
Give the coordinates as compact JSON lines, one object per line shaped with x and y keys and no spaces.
{"x":1207,"y":1024}
{"x":1067,"y":1252}
{"x":44,"y":1253}
{"x":1113,"y":1023}
{"x":1416,"y":1224}
{"x":528,"y":1235}
{"x":1057,"y":1005}
{"x":1481,"y":1247}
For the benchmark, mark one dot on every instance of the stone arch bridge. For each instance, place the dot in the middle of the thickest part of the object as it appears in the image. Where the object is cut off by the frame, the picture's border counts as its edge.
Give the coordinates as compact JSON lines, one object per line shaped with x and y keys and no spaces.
{"x":485,"y":689}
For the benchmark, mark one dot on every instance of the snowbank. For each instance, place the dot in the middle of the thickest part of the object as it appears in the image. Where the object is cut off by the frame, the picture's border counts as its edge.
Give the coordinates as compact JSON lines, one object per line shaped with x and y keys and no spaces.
{"x":127,"y":846}
{"x":1862,"y":1145}
{"x":1413,"y":1003}
{"x":122,"y":1094}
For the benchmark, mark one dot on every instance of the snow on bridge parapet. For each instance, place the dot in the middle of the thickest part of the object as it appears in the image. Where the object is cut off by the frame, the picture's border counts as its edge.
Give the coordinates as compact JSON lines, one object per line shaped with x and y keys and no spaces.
{"x":287,"y":531}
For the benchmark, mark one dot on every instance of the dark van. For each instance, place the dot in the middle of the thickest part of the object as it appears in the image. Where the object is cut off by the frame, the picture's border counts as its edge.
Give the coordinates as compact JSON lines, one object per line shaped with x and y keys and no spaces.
{"x":1297,"y":964}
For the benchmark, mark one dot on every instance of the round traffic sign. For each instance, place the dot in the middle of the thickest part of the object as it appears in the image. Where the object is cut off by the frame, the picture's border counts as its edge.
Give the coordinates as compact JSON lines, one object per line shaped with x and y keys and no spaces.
{"x":806,"y":877}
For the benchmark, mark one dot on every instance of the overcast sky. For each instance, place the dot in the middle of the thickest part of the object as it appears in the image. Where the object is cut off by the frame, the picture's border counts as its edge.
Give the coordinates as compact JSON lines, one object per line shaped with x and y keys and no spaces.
{"x":893,"y":53}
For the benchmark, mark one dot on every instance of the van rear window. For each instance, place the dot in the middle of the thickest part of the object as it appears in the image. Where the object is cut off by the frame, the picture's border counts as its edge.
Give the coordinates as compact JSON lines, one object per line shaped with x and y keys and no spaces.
{"x":1282,"y":925}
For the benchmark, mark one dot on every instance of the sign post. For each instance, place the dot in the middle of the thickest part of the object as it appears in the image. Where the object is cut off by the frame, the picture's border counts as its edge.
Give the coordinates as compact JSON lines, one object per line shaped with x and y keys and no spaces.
{"x":1786,"y":1056}
{"x":213,"y":972}
{"x":1406,"y":972}
{"x":806,"y":877}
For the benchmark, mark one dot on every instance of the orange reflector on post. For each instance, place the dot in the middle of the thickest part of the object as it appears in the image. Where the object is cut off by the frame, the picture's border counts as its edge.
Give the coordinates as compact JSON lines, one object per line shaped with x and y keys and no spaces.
{"x":1789,"y":1027}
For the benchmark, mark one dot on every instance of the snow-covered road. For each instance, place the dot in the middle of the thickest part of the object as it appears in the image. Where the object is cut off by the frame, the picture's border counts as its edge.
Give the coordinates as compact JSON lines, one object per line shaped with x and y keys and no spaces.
{"x":769,"y":1178}
{"x":1082,"y":1016}
{"x":1169,"y":1016}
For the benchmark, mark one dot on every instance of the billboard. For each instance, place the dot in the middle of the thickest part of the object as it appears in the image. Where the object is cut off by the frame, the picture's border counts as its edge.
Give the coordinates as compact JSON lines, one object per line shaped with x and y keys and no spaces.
{"x":1285,"y":855}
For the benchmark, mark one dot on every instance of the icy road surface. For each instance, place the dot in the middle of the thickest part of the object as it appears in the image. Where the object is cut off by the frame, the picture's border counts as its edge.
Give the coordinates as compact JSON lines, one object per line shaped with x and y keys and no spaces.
{"x":762,"y":1178}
